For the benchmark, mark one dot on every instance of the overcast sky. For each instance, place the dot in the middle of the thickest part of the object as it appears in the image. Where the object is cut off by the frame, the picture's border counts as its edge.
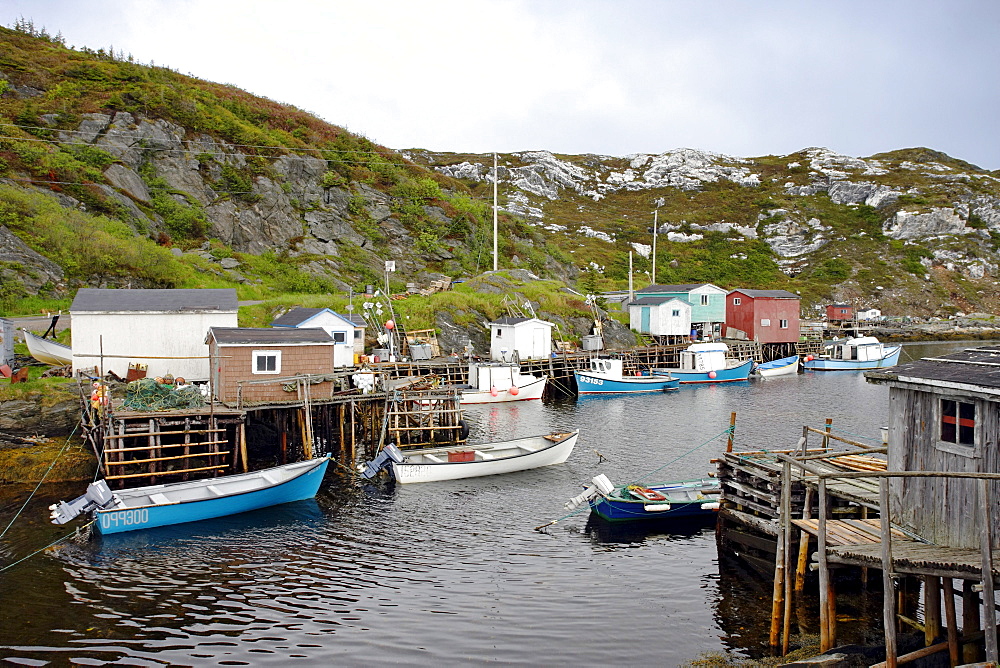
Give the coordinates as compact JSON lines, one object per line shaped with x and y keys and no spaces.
{"x":614,"y":77}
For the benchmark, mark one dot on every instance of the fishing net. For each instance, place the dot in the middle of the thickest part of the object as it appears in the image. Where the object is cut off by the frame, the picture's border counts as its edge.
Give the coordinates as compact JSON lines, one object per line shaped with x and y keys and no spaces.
{"x":146,"y":394}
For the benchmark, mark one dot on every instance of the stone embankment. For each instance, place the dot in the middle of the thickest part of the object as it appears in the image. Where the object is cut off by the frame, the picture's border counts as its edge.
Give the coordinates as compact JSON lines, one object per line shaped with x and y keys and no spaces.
{"x":972,"y":327}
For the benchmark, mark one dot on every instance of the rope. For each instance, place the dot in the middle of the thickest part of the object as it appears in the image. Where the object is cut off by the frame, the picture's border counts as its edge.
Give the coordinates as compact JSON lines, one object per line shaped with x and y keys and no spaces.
{"x":725,"y":432}
{"x":57,"y":540}
{"x":851,"y":433}
{"x":580,"y":509}
{"x":45,"y":475}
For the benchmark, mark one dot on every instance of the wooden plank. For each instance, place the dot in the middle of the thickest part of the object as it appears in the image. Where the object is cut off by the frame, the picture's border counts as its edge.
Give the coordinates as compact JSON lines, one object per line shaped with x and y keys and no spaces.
{"x":178,"y":471}
{"x":164,"y":459}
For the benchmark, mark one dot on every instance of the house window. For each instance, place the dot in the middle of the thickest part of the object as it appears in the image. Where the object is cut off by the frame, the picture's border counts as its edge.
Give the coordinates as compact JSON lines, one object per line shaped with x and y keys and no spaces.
{"x":676,"y":313}
{"x":958,"y":422}
{"x":499,"y":332}
{"x":704,"y":300}
{"x":737,"y":301}
{"x":783,"y":324}
{"x":765,"y":322}
{"x":267,"y":361}
{"x":339,"y":337}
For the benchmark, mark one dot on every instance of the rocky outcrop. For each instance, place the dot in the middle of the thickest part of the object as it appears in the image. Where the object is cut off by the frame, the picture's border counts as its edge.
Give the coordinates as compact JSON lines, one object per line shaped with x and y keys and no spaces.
{"x":20,"y":264}
{"x":935,"y":223}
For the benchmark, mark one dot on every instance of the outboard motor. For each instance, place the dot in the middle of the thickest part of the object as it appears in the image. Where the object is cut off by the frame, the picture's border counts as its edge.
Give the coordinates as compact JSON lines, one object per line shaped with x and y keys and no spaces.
{"x":601,"y":486}
{"x":97,"y":496}
{"x":390,"y":454}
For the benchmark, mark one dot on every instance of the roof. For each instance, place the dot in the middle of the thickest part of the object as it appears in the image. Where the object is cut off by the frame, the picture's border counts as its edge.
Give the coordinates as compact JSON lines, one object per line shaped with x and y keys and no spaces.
{"x":100,"y":300}
{"x":301,"y":315}
{"x":687,"y":287}
{"x":656,"y":301}
{"x":972,"y":368}
{"x":768,"y":294}
{"x":275,"y":336}
{"x":508,"y":320}
{"x":358,"y":320}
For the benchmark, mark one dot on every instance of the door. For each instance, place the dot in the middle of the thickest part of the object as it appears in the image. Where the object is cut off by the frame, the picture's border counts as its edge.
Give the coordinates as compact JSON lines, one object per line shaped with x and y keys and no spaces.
{"x":644,"y":320}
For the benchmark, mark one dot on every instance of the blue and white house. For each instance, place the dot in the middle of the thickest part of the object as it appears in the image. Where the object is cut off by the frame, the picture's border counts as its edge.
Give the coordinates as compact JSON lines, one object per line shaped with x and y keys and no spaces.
{"x":346,"y":334}
{"x":660,"y":316}
{"x":707,"y":301}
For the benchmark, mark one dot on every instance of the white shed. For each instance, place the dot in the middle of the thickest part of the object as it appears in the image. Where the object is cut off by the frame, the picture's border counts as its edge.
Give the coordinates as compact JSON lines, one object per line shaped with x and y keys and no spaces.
{"x":347,"y":335}
{"x":660,"y":316}
{"x":163,"y":329}
{"x":870,"y":314}
{"x":530,"y":338}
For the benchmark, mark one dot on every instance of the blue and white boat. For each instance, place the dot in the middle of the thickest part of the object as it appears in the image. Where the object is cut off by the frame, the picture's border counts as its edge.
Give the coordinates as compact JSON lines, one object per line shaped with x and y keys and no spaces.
{"x":669,"y":500}
{"x":180,"y":502}
{"x":785,"y":366}
{"x":864,"y":352}
{"x":708,"y":363}
{"x":606,"y":376}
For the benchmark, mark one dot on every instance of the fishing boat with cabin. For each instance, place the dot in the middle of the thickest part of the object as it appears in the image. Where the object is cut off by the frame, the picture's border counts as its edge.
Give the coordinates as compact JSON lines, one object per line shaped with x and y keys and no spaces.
{"x":865,"y":352}
{"x":496,"y":382}
{"x":606,"y":376}
{"x":708,"y":363}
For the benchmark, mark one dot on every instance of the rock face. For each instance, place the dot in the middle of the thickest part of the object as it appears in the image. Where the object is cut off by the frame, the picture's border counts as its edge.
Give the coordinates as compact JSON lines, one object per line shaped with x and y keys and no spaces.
{"x":36,"y":270}
{"x":34,"y":418}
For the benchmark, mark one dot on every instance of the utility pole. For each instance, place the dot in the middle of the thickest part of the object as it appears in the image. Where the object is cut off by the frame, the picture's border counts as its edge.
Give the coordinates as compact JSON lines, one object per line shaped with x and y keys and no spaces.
{"x":631,"y":292}
{"x":495,"y":178}
{"x":656,"y":225}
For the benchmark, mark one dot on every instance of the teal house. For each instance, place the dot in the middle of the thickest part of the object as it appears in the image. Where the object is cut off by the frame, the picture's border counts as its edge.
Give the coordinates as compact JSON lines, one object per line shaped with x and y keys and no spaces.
{"x":708,"y":305}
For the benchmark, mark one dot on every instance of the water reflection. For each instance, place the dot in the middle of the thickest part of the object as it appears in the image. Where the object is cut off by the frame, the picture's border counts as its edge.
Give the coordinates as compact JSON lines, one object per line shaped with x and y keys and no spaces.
{"x":444,"y":572}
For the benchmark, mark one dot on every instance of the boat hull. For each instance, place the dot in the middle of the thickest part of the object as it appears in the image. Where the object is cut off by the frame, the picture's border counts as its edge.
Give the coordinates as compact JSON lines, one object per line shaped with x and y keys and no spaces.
{"x":688,"y":377}
{"x":48,"y":351}
{"x":784,"y":367}
{"x":588,"y":383}
{"x":526,"y":392}
{"x":303,"y":485}
{"x":556,"y":452}
{"x":687,"y":499}
{"x":891,"y":358}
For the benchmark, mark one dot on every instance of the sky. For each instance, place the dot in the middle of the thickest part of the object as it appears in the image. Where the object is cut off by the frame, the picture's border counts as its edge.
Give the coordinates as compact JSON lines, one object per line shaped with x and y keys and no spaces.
{"x":744,"y":78}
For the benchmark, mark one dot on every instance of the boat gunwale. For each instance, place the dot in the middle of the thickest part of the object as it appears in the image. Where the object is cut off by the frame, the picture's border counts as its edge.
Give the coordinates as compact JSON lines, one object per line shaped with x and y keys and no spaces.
{"x":483,"y":446}
{"x":317,"y":462}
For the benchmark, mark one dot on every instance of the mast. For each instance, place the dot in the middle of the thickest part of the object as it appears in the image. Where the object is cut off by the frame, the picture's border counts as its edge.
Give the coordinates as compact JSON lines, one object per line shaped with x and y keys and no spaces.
{"x":495,"y":176}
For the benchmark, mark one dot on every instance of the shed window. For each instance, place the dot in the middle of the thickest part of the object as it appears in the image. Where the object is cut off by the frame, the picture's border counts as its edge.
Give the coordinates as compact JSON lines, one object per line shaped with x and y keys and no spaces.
{"x":339,"y":337}
{"x":783,"y":324}
{"x":499,"y":332}
{"x":765,"y":322}
{"x":958,"y":422}
{"x":358,"y":334}
{"x":737,"y":301}
{"x":267,"y":361}
{"x":676,"y":313}
{"x":704,"y":300}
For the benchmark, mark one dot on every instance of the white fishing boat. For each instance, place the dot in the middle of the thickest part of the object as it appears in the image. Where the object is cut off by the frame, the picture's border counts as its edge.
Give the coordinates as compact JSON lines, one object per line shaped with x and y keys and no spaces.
{"x":179,"y":502}
{"x":472,"y":461}
{"x":865,"y":352}
{"x":499,"y":382}
{"x":47,"y":350}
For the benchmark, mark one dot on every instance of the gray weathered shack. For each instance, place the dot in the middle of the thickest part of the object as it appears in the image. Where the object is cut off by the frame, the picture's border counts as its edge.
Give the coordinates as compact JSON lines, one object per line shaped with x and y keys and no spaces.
{"x":944,"y":415}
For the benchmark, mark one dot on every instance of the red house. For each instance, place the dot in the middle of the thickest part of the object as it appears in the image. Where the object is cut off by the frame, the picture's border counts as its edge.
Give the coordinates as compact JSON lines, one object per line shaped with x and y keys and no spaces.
{"x":839,"y":312}
{"x":769,"y":316}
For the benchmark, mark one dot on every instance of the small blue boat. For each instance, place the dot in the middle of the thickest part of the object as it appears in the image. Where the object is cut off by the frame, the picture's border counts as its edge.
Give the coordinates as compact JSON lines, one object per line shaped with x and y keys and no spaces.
{"x":605,"y":376}
{"x":785,"y":366}
{"x":180,"y":502}
{"x":865,"y":352}
{"x":708,"y":363}
{"x":670,"y":500}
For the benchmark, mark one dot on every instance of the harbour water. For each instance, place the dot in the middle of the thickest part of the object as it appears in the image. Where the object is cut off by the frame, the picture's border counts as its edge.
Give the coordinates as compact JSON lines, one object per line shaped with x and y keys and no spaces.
{"x":438,"y":573}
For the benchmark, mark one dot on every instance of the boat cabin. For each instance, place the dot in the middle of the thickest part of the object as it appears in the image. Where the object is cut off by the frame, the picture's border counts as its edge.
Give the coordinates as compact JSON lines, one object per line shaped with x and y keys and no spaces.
{"x":484,"y":377}
{"x":609,"y":367}
{"x":704,"y":357}
{"x":863,"y":349}
{"x":944,"y":415}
